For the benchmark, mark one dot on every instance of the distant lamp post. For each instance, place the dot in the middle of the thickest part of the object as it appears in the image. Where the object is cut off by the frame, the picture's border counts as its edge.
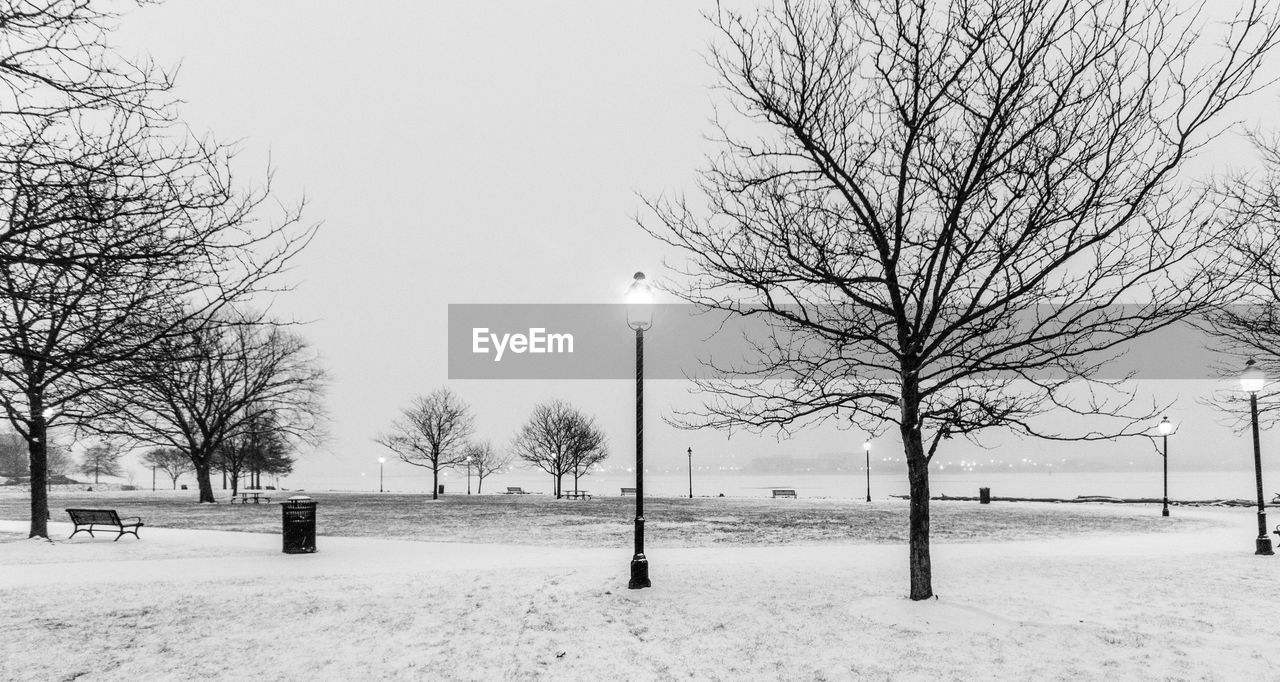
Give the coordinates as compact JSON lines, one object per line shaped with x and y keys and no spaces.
{"x":866,"y":449}
{"x":1165,"y":428}
{"x":1252,"y":381}
{"x":639,"y":318}
{"x":153,"y":478}
{"x":468,"y":474}
{"x":381,"y":461}
{"x":690,"y":452}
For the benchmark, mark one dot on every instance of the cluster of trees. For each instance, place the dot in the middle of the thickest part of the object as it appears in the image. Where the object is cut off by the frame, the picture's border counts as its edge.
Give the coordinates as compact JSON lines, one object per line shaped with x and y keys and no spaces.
{"x":130,"y":256}
{"x":954,"y":213}
{"x":437,"y":431}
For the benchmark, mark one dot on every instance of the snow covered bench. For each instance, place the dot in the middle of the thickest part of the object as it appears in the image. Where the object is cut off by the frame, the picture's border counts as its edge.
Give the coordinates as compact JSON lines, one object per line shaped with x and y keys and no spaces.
{"x":628,"y":491}
{"x":103,"y":517}
{"x":784,"y":492}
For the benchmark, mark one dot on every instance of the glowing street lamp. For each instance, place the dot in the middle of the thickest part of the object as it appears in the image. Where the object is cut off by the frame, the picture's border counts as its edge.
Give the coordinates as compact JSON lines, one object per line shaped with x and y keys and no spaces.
{"x":1165,"y":428}
{"x":468,"y":474}
{"x":639,"y":318}
{"x":381,"y":461}
{"x":1253,"y":380}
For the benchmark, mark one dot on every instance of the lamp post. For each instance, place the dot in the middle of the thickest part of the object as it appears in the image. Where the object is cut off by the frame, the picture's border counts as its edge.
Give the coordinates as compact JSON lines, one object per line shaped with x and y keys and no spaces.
{"x":690,"y":452}
{"x":639,"y":318}
{"x":866,"y":449}
{"x":381,"y":461}
{"x":1165,"y":429}
{"x":153,"y":478}
{"x":468,"y":474}
{"x":1252,"y":381}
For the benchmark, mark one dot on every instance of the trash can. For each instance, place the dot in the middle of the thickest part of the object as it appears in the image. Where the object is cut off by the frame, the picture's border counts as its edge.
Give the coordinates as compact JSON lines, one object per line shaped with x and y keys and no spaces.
{"x":440,"y":489}
{"x":984,"y":495}
{"x":299,"y":531}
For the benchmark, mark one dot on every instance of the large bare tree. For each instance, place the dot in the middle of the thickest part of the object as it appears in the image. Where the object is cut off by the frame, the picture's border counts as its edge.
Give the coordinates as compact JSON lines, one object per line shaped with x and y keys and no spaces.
{"x":198,"y":390}
{"x":559,"y":439}
{"x":117,"y":235}
{"x":951,"y":213}
{"x":433,"y":432}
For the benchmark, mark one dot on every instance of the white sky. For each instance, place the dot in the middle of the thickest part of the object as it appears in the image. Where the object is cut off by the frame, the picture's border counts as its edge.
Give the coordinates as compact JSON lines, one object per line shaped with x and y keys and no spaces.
{"x":471,"y":151}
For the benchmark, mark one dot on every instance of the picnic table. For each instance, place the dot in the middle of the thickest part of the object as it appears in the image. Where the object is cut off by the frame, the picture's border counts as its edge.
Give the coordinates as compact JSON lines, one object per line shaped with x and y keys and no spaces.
{"x":578,"y":495}
{"x":245,"y":495}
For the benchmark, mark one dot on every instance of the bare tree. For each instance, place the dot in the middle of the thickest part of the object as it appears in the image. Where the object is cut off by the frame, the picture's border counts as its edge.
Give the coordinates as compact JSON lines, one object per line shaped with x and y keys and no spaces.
{"x":1249,"y":328}
{"x":433,"y":432}
{"x":196,"y":391}
{"x":486,"y":460}
{"x":14,"y":461}
{"x":172,"y":461}
{"x":559,"y":440}
{"x":101,"y":459}
{"x":116,"y":236}
{"x":257,"y":447}
{"x":939,"y":208}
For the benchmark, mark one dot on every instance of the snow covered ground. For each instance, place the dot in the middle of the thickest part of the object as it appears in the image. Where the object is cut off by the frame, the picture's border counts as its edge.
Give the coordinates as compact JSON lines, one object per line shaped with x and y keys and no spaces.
{"x":1194,"y":603}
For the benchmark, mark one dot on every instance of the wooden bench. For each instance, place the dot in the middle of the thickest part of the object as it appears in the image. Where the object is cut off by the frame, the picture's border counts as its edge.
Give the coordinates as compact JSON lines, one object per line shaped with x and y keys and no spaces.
{"x":103,"y":517}
{"x":579,"y":495}
{"x":515,"y":490}
{"x":628,"y":491}
{"x":784,"y":492}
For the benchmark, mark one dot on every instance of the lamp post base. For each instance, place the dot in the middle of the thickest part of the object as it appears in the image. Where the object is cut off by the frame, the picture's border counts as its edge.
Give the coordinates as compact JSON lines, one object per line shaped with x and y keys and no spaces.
{"x":1164,"y":512}
{"x":640,"y":573}
{"x":1264,"y":547}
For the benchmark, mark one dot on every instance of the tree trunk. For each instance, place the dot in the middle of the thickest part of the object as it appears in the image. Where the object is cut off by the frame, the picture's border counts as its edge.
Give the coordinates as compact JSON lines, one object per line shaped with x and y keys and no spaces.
{"x":205,"y":484}
{"x":38,"y":453}
{"x":235,"y":481}
{"x":435,"y":483}
{"x":479,"y":483}
{"x":918,"y":476}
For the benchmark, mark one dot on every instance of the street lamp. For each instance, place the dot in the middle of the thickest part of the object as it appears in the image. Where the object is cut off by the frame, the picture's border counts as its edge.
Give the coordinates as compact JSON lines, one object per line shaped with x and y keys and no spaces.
{"x":1253,"y":380}
{"x":1165,"y":429}
{"x":690,"y":451}
{"x":639,"y":318}
{"x":153,"y":478}
{"x":381,"y":461}
{"x":866,"y":448}
{"x":468,"y":474}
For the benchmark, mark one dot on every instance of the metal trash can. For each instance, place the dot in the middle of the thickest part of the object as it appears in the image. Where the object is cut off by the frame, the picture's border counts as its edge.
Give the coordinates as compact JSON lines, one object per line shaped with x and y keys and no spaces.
{"x":440,"y":489}
{"x":984,"y":495}
{"x":299,"y":516}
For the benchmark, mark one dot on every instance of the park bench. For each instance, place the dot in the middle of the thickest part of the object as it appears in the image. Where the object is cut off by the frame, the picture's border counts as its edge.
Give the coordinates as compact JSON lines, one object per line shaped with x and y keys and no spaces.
{"x":103,"y":517}
{"x":784,"y":492}
{"x":628,"y":491}
{"x":578,"y":495}
{"x":515,"y":490}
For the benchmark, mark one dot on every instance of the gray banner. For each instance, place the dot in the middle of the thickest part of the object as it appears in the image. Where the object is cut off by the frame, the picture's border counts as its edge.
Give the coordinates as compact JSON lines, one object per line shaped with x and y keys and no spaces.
{"x":594,"y":341}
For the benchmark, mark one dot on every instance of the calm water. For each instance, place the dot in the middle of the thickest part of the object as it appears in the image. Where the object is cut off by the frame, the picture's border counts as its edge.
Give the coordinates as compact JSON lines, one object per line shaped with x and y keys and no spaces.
{"x":1182,"y":485}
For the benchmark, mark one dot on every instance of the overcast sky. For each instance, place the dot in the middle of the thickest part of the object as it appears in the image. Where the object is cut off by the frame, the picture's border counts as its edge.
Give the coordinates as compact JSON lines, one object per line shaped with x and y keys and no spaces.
{"x":476,"y":151}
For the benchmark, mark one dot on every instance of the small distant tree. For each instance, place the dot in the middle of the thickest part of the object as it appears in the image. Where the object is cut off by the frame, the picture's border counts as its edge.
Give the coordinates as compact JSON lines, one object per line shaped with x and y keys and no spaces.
{"x":101,"y":459}
{"x":59,"y":462}
{"x":559,"y":440}
{"x":172,"y":461}
{"x":433,"y":432}
{"x":486,"y":460}
{"x":13,"y":455}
